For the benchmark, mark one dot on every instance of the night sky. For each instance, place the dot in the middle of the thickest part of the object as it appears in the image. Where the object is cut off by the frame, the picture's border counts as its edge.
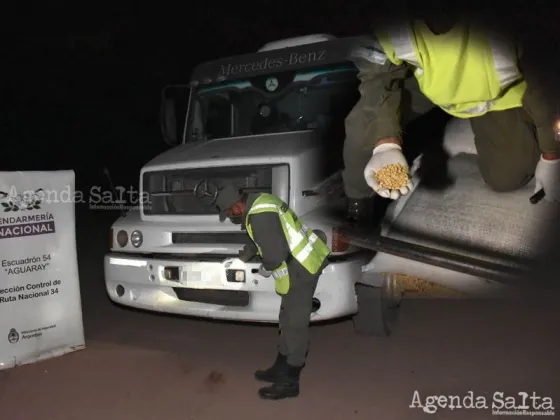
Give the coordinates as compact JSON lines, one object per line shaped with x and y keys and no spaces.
{"x":81,"y":90}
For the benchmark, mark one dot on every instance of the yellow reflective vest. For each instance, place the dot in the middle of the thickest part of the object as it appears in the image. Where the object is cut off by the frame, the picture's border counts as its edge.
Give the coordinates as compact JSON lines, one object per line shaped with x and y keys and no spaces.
{"x":305,"y":246}
{"x":466,"y":72}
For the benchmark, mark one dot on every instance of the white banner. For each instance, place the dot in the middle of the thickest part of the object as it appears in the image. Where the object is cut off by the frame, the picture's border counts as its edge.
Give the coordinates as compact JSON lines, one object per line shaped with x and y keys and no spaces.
{"x":40,"y":306}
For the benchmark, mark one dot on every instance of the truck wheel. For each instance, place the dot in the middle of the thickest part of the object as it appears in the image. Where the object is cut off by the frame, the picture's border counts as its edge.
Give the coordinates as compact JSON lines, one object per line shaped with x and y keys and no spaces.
{"x":378,"y":308}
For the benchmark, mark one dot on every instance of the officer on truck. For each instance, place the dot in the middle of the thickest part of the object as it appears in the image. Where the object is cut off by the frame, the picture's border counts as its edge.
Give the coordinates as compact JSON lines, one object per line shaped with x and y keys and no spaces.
{"x":295,"y":257}
{"x":469,"y":73}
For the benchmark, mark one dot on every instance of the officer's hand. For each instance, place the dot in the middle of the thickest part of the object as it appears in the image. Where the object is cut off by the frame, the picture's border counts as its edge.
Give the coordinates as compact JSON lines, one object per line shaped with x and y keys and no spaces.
{"x":547,"y":177}
{"x":248,"y":252}
{"x":384,"y":155}
{"x":263,"y":272}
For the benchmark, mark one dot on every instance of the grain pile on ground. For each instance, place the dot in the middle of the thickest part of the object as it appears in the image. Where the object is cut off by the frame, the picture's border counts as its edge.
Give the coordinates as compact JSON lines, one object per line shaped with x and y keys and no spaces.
{"x":392,"y":177}
{"x":414,"y":287}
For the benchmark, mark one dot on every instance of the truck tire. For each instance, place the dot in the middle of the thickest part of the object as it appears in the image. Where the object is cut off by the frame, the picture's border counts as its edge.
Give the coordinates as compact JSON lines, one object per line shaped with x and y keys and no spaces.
{"x":377,"y":312}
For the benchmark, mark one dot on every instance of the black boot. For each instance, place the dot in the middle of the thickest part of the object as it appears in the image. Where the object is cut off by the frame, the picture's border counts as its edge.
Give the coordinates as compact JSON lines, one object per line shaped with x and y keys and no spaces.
{"x":273,"y":373}
{"x":286,"y":387}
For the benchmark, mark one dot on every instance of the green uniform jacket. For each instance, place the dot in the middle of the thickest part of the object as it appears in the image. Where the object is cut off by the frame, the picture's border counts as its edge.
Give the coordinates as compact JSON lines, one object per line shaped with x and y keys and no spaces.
{"x":381,"y":90}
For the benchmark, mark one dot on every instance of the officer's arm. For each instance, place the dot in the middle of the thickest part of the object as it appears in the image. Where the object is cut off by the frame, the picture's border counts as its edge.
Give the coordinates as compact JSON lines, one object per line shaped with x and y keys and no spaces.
{"x":539,"y":104}
{"x":381,"y":91}
{"x":270,"y":237}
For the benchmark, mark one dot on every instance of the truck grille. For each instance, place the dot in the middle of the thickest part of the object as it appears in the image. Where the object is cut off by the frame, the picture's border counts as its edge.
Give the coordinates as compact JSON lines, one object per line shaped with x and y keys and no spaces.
{"x":173,"y":192}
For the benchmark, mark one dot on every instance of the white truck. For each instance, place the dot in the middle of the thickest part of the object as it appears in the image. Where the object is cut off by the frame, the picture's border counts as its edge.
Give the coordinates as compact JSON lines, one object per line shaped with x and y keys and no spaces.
{"x":264,"y":122}
{"x":260,"y":121}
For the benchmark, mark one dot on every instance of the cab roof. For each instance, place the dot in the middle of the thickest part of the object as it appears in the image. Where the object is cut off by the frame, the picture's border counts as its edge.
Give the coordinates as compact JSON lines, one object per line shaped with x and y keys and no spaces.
{"x":296,"y":41}
{"x":297,"y":53}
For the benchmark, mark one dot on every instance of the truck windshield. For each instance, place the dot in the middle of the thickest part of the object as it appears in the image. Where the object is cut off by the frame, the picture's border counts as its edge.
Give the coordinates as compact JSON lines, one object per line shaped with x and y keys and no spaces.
{"x":317,"y":99}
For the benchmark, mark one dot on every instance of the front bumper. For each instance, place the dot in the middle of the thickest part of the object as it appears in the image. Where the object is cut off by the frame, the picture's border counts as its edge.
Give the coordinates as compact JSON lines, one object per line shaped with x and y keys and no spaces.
{"x":204,"y":291}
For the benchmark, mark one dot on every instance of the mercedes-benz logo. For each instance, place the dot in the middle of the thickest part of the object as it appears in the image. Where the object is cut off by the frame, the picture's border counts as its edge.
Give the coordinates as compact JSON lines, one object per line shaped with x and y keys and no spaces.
{"x":206,"y":191}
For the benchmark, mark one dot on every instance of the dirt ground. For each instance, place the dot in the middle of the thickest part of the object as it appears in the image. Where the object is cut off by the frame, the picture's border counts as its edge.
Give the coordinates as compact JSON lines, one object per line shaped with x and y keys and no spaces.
{"x":140,"y":365}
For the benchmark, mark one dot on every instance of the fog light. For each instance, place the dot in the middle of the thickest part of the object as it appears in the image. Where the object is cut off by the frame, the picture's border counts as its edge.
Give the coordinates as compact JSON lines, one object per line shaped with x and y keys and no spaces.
{"x":171,"y":273}
{"x":122,"y":238}
{"x":136,"y":238}
{"x":322,"y":235}
{"x":237,"y":276}
{"x":315,"y":305}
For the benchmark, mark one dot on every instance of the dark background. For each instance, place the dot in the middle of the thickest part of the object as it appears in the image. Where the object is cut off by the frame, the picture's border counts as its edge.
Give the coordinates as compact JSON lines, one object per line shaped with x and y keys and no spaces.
{"x":81,"y":89}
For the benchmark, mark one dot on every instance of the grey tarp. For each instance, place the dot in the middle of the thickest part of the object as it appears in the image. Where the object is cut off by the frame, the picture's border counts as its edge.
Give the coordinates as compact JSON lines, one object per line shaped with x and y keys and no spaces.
{"x":468,"y":219}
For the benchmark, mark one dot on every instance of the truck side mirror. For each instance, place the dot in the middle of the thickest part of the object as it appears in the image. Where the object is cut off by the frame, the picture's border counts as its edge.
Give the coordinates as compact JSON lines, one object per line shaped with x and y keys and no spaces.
{"x":173,"y":113}
{"x":169,"y":122}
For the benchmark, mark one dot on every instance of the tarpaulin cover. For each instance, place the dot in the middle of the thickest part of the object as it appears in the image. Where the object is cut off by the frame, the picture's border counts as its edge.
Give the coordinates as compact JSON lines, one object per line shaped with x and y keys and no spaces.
{"x":468,"y":219}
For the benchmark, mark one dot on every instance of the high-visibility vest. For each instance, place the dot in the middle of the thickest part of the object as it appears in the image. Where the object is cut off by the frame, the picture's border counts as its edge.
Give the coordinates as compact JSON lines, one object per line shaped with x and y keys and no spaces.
{"x":305,"y":246}
{"x":465,"y":71}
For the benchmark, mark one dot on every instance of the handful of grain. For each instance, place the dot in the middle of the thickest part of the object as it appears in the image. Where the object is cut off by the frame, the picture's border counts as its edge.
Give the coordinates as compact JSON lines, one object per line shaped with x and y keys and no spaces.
{"x":392,"y":177}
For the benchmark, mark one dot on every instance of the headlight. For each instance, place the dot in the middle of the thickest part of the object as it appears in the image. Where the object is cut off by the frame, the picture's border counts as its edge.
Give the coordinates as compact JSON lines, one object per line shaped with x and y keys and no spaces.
{"x":122,"y":238}
{"x":556,"y":129}
{"x":136,"y":238}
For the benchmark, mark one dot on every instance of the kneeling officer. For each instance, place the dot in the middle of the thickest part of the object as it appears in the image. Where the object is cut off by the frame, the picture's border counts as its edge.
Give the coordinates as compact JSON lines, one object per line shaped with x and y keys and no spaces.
{"x":295,"y":257}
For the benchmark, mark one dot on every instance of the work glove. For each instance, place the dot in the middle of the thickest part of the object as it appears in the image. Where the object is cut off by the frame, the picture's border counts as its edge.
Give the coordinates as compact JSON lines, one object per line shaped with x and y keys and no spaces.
{"x":264,"y":272}
{"x":547,"y":177}
{"x":384,"y":155}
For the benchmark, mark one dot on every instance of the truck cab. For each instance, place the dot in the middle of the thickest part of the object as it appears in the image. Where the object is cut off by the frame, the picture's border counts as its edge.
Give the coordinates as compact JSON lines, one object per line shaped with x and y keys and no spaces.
{"x":270,"y":121}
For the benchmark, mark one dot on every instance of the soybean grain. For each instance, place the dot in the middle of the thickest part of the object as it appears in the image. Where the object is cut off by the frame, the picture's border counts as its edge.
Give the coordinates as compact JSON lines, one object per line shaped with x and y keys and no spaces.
{"x":392,"y":177}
